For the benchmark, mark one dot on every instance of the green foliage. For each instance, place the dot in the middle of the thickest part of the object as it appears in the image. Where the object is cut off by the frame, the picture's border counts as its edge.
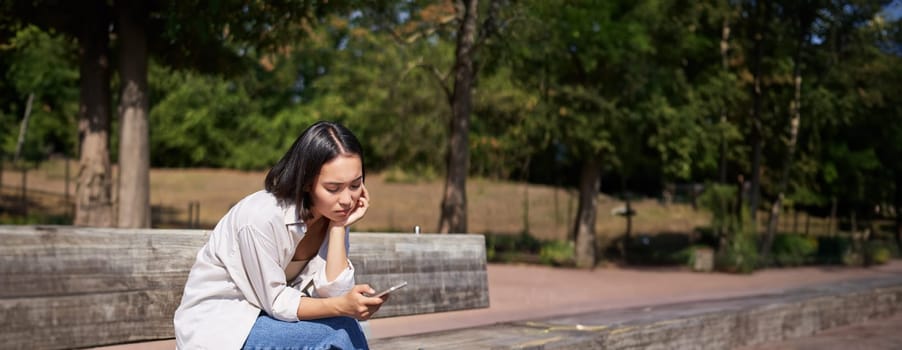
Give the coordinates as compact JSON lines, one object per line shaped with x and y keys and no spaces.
{"x":660,"y":249}
{"x":557,"y":253}
{"x":380,"y":90}
{"x":877,"y":253}
{"x":794,"y":249}
{"x":740,"y":255}
{"x":188,"y":119}
{"x":639,"y":85}
{"x":845,"y":251}
{"x":526,"y":248}
{"x":35,"y":219}
{"x":737,"y":251}
{"x":833,"y":249}
{"x":720,"y":201}
{"x":505,"y":130}
{"x":40,"y":63}
{"x":398,"y":175}
{"x":501,"y":247}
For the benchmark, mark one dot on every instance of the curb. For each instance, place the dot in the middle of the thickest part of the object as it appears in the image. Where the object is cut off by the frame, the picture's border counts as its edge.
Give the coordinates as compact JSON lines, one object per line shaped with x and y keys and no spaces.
{"x":711,"y":324}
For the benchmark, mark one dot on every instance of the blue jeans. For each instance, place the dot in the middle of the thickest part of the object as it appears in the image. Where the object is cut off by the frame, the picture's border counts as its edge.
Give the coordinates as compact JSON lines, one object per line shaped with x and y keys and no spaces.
{"x":325,"y":333}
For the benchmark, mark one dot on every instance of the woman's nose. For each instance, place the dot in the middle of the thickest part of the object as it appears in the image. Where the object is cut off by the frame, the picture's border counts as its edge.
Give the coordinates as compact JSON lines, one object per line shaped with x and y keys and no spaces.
{"x":346,"y":199}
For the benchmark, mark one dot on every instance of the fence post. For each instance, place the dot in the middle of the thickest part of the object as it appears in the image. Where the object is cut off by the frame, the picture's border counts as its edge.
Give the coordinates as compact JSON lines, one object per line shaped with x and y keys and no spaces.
{"x":196,"y":214}
{"x":24,"y":191}
{"x":193,"y":214}
{"x":66,"y":194}
{"x":190,"y":213}
{"x":807,"y":223}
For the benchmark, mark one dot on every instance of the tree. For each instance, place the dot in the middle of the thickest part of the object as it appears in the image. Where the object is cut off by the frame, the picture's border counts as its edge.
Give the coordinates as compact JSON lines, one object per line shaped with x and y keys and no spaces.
{"x":761,"y":10}
{"x":802,"y":16}
{"x":93,"y":195}
{"x":134,"y":150}
{"x":599,"y":69}
{"x":42,"y":64}
{"x":454,"y":198}
{"x":453,"y":214}
{"x":224,"y":32}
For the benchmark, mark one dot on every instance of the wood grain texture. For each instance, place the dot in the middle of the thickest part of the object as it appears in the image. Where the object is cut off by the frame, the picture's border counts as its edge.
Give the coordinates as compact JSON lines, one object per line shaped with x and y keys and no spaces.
{"x":68,"y":287}
{"x":706,"y":324}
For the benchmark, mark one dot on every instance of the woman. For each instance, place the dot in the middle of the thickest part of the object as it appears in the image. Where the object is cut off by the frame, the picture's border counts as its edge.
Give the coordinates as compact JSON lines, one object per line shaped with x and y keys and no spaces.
{"x":275,"y":272}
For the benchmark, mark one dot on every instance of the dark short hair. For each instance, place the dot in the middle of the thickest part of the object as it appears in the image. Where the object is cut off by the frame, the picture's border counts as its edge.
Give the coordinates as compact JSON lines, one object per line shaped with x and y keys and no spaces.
{"x":291,"y":179}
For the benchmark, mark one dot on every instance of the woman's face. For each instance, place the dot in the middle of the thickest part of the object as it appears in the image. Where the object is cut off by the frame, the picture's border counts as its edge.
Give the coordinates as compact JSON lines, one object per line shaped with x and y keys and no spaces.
{"x":337,"y":187}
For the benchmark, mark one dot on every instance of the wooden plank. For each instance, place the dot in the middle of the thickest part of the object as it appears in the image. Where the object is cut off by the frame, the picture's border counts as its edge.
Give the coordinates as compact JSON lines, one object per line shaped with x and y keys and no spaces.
{"x":65,"y":287}
{"x":705,"y":324}
{"x":443,"y":272}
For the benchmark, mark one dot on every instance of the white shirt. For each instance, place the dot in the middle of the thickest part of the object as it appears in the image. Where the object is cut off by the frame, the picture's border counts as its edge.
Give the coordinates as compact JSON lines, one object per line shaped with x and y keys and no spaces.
{"x":241,"y":271}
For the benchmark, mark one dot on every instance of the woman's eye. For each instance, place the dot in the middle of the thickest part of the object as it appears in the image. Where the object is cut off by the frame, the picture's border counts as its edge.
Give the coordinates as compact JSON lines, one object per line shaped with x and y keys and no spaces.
{"x":355,"y":187}
{"x":332,"y":190}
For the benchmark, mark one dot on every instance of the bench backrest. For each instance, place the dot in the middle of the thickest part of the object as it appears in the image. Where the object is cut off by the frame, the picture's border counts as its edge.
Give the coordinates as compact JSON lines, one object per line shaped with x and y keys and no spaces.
{"x":69,"y":287}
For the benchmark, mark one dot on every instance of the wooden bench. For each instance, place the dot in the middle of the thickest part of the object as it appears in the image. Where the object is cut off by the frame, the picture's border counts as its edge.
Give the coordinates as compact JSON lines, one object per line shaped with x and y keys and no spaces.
{"x":67,"y":287}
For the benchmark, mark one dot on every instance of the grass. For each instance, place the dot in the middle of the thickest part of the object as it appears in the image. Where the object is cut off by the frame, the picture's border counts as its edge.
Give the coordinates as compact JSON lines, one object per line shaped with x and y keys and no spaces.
{"x":494,"y":206}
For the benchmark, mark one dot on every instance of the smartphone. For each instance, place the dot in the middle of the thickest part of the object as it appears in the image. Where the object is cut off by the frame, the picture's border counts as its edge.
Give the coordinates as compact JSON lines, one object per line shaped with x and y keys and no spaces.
{"x":392,"y":289}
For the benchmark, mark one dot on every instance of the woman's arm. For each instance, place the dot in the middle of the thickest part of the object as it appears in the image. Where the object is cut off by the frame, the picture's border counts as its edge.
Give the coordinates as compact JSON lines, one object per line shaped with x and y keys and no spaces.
{"x":353,"y":304}
{"x":337,"y":254}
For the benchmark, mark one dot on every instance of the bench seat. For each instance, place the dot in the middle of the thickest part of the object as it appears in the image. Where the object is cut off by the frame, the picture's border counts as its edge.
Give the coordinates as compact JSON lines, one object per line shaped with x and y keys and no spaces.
{"x":68,"y":287}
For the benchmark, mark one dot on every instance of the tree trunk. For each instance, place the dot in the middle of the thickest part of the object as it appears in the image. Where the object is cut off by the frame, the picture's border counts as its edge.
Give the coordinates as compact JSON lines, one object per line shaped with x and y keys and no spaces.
{"x":831,"y":227}
{"x":454,"y":200}
{"x":757,"y":97}
{"x":23,"y":128}
{"x":93,"y":203}
{"x":628,"y":215}
{"x":724,"y":62}
{"x":898,"y":205}
{"x":584,"y":230}
{"x":134,"y":151}
{"x":740,"y":201}
{"x":796,"y":118}
{"x":807,"y":224}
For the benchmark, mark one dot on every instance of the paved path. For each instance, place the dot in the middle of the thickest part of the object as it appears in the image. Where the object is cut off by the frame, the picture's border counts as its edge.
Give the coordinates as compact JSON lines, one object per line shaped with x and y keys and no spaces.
{"x":523,"y":292}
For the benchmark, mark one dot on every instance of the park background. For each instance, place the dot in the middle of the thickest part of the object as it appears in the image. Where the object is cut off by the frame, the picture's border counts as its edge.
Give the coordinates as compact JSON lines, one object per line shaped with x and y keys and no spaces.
{"x":582,"y":132}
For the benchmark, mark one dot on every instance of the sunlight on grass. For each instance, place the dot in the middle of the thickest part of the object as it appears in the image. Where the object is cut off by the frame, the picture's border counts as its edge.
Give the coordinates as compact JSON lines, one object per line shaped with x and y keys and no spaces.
{"x":494,"y":206}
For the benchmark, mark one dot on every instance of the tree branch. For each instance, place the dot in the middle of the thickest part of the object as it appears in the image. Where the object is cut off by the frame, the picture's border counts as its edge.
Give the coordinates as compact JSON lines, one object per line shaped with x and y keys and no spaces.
{"x":434,"y":73}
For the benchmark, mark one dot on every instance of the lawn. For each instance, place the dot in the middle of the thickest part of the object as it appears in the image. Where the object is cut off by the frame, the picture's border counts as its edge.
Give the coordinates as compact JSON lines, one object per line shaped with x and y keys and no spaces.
{"x":494,"y":206}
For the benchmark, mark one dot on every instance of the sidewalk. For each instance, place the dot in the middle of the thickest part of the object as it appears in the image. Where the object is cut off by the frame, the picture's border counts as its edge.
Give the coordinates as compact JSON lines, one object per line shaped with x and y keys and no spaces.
{"x":525,"y":292}
{"x":521,"y":292}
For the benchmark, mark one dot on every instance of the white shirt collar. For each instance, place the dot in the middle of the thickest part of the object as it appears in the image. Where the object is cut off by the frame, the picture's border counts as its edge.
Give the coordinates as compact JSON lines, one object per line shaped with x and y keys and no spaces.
{"x":294,"y":225}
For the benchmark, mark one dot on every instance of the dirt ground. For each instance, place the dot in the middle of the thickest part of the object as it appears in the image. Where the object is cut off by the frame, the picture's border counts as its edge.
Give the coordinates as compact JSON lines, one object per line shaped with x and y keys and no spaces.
{"x":494,"y":206}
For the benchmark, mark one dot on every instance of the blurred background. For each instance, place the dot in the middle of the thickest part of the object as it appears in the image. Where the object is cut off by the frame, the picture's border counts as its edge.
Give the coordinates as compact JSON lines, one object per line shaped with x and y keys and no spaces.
{"x":569,"y":132}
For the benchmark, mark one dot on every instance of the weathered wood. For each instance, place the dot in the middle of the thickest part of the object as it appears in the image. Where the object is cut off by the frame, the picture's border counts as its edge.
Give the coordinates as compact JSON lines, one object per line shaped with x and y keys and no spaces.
{"x":66,"y":287}
{"x":708,"y":324}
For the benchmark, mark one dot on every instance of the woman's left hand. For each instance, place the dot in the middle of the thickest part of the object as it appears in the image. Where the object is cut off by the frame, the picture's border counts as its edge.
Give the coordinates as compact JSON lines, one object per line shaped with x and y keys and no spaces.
{"x":359,"y":209}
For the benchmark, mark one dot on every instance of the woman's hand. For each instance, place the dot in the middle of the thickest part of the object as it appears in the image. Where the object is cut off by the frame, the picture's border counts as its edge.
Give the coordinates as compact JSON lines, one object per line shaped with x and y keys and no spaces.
{"x":359,"y":209}
{"x":357,"y":304}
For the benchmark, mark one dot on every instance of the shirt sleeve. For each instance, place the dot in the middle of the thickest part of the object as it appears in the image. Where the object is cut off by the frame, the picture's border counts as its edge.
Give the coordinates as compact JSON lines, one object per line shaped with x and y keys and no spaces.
{"x":343,"y":283}
{"x":259,"y":257}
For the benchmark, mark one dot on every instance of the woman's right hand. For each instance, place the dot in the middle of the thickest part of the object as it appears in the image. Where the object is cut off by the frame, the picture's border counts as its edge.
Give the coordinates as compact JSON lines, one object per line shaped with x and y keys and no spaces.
{"x":357,"y":304}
